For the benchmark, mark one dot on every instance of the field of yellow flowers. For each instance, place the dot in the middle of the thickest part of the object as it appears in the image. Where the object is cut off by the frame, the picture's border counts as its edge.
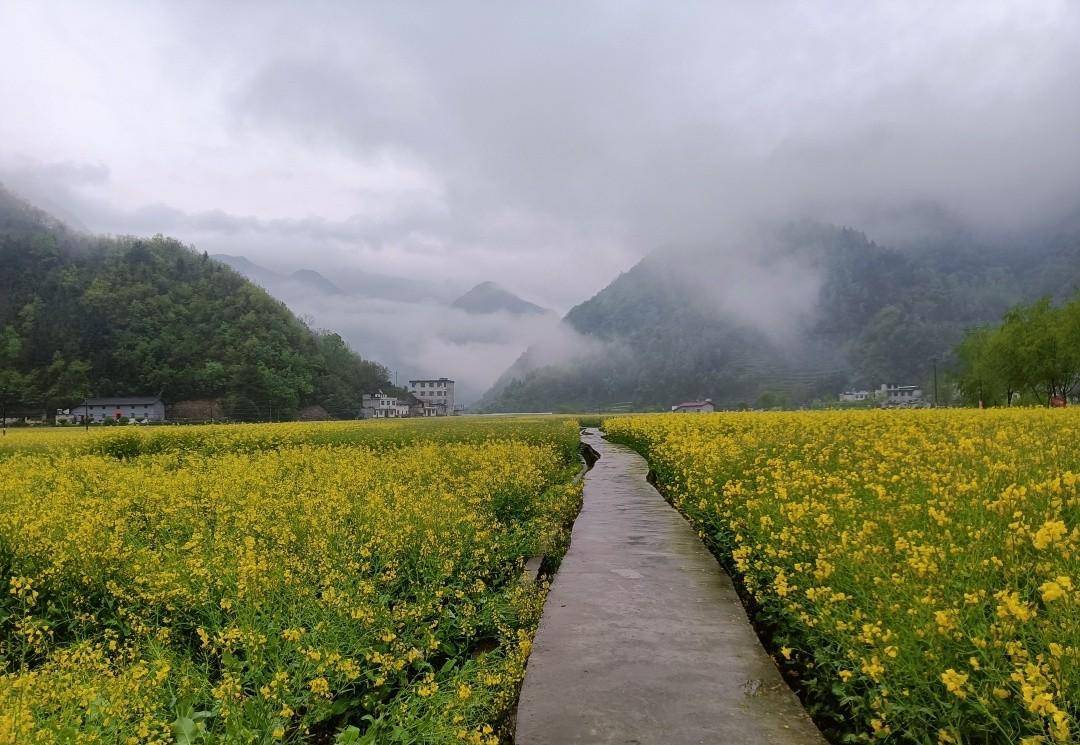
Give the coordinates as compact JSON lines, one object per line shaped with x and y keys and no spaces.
{"x":918,"y":571}
{"x":351,"y":583}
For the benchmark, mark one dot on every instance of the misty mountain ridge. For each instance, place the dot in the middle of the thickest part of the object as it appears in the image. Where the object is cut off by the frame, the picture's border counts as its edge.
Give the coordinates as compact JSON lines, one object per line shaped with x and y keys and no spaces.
{"x":84,"y":314}
{"x":802,"y":310}
{"x":268,"y":278}
{"x":488,"y":297}
{"x":352,"y":282}
{"x":418,"y":327}
{"x":315,"y":280}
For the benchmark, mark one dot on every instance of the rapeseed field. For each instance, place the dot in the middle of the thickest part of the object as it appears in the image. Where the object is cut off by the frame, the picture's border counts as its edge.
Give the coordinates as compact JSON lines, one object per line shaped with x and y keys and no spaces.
{"x":918,"y":572}
{"x":291,"y":583}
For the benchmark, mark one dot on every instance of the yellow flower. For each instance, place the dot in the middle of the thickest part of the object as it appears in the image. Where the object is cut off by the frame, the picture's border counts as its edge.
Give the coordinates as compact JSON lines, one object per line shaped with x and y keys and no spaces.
{"x":873,"y":668}
{"x":320,"y":687}
{"x":955,"y":682}
{"x":1051,"y":591}
{"x":1051,"y":532}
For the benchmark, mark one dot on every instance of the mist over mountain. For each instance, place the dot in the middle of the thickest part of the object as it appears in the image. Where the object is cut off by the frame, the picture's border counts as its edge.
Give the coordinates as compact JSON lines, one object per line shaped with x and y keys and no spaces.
{"x":488,"y":297}
{"x":404,"y":156}
{"x":316,"y":281}
{"x":800,"y":311}
{"x":89,"y":315}
{"x":417,"y":327}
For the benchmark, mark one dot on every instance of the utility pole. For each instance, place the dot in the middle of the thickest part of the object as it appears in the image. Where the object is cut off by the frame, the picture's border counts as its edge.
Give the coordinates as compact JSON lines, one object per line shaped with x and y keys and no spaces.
{"x":270,"y":406}
{"x":86,"y":414}
{"x":934,"y":360}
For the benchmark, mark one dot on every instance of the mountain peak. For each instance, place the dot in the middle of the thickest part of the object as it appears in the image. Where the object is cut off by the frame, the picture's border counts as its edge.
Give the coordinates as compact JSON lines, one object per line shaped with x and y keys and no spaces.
{"x":313,"y":279}
{"x":489,"y":297}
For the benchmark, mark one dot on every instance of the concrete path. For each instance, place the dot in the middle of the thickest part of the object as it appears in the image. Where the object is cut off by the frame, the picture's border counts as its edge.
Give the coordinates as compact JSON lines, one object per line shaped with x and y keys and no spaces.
{"x":643,"y":638}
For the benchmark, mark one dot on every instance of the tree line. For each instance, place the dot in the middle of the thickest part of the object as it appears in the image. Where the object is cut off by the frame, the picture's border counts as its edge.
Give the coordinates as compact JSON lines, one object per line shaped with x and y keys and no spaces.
{"x":1031,"y":357}
{"x":84,"y":315}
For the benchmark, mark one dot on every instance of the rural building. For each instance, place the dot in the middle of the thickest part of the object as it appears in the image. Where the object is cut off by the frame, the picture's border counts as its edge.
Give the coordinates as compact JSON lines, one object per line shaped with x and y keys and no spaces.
{"x":437,"y":395}
{"x":138,"y":408}
{"x":899,"y":394}
{"x":694,"y":407}
{"x":855,"y":395}
{"x":381,"y":406}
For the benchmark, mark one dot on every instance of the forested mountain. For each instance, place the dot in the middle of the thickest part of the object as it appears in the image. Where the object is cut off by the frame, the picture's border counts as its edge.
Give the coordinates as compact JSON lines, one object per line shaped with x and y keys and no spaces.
{"x":106,"y":316}
{"x":488,"y":297}
{"x":813,"y":310}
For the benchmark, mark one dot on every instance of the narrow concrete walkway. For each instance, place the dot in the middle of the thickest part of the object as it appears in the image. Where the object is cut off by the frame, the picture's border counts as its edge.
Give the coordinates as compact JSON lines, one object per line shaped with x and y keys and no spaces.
{"x":643,"y":638}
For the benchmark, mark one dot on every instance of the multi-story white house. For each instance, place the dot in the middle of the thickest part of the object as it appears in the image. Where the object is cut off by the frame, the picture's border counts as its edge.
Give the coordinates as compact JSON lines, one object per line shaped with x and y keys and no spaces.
{"x":437,"y":395}
{"x":135,"y":408}
{"x":381,"y":406}
{"x":899,"y":394}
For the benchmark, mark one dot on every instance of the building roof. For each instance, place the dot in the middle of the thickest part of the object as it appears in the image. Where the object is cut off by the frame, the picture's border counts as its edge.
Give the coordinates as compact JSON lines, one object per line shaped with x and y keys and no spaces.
{"x":431,"y":380}
{"x":120,"y":401}
{"x":693,"y":404}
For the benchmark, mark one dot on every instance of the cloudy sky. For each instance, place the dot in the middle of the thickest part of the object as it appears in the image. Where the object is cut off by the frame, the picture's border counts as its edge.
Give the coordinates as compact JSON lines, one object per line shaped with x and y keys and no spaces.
{"x":543,"y":145}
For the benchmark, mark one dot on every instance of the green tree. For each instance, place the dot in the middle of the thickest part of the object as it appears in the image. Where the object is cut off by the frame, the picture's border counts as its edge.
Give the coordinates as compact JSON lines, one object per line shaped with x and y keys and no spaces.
{"x":13,"y":384}
{"x":1035,"y":351}
{"x":976,"y":379}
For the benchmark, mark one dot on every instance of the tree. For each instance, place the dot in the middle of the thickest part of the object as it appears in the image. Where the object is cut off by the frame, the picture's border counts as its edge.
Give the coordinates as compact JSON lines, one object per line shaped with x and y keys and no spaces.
{"x":976,"y":379}
{"x":152,"y":316}
{"x":13,"y":384}
{"x":1036,"y":350}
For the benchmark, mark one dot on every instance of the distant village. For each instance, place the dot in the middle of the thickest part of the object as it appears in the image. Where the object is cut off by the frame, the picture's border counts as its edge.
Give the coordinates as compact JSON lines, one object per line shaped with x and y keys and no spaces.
{"x":887,"y":396}
{"x":427,"y":397}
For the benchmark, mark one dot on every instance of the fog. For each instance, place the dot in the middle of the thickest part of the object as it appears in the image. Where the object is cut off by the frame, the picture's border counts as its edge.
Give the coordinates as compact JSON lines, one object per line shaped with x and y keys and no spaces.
{"x":547,"y":147}
{"x":425,"y":338}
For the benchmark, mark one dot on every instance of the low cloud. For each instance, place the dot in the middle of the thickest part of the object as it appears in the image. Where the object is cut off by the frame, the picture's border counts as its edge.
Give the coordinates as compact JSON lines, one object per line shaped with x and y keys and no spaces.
{"x":544,"y":148}
{"x":425,"y":337}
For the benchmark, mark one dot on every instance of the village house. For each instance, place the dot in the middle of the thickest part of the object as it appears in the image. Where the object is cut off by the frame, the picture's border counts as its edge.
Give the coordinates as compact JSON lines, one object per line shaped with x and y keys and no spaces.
{"x":381,"y":406}
{"x":436,"y":394}
{"x":132,"y":408}
{"x":694,"y":407}
{"x":855,"y":395}
{"x":893,"y":395}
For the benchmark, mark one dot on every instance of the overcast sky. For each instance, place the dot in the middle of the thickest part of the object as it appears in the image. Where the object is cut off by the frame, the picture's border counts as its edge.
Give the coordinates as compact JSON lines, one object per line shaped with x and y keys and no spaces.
{"x":546,"y":145}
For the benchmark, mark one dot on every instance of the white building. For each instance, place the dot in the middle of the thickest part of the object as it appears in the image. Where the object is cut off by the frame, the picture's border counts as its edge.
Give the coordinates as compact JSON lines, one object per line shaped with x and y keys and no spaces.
{"x":855,"y":395}
{"x":134,"y":408}
{"x":437,"y":395}
{"x":381,"y":406}
{"x":893,"y":395}
{"x":694,"y":407}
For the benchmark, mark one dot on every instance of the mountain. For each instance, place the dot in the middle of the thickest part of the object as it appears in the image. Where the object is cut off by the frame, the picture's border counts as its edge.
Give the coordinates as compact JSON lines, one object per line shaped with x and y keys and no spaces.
{"x":784,"y":315}
{"x":350,"y":282}
{"x":109,"y":316}
{"x":488,"y":297}
{"x":316,"y":281}
{"x":260,"y":275}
